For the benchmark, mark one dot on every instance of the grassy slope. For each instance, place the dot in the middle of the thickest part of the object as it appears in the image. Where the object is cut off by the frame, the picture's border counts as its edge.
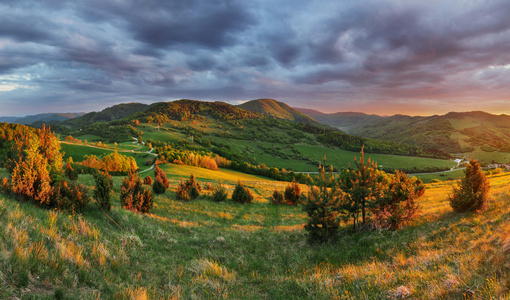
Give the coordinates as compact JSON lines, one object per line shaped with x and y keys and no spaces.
{"x":78,"y":152}
{"x":339,"y":158}
{"x":211,"y":250}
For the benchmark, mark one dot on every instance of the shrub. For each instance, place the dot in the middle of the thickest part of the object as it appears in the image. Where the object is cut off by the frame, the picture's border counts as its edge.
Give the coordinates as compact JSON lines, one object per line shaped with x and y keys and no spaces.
{"x":322,"y":206}
{"x":103,"y":191}
{"x":242,"y":194}
{"x":473,"y":191}
{"x":182,"y":192}
{"x":277,"y":197}
{"x":160,"y":176}
{"x":134,"y":196}
{"x":70,"y":196}
{"x":220,"y":193}
{"x":396,"y":206}
{"x":147,"y":180}
{"x":70,"y":173}
{"x":190,"y":189}
{"x":293,"y":193}
{"x":5,"y":188}
{"x":158,"y":187}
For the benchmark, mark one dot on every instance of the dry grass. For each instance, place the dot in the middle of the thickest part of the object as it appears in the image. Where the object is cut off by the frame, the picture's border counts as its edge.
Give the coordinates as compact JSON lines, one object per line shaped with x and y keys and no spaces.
{"x":201,"y":249}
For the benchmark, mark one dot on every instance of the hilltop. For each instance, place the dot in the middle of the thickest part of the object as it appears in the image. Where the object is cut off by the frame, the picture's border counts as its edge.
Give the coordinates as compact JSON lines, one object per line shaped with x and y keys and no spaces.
{"x":113,"y":113}
{"x":276,"y":109}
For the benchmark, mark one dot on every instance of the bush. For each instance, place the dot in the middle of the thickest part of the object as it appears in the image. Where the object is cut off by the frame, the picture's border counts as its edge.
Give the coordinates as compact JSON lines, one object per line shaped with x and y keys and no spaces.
{"x":397,"y":205}
{"x":147,"y":180}
{"x":190,"y":189}
{"x":158,"y":187}
{"x":70,"y":196}
{"x":293,"y":193}
{"x":134,"y":196}
{"x":220,"y":193}
{"x":182,"y":192}
{"x":242,"y":194}
{"x":160,"y":176}
{"x":5,"y":188}
{"x":71,"y":173}
{"x":104,"y":189}
{"x":277,"y":197}
{"x":473,"y":191}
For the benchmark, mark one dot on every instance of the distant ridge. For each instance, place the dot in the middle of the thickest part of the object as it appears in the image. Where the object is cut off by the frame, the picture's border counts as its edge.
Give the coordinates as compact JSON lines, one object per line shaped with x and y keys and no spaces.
{"x":109,"y":114}
{"x":345,"y":121}
{"x":276,"y":109}
{"x":46,"y":117}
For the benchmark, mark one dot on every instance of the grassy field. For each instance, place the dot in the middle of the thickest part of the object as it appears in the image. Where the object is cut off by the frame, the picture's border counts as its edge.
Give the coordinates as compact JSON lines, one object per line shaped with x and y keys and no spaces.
{"x":202,"y":249}
{"x":78,"y":152}
{"x":342,"y":159}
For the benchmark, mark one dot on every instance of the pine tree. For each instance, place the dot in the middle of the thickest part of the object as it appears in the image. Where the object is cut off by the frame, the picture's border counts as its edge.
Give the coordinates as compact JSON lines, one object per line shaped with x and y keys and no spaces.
{"x":472,"y":193}
{"x":104,"y":189}
{"x":322,"y":205}
{"x":362,"y":187}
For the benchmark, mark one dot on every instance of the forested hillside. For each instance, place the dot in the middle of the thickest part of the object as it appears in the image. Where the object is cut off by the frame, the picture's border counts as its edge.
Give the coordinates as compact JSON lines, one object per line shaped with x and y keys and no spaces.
{"x":276,"y":109}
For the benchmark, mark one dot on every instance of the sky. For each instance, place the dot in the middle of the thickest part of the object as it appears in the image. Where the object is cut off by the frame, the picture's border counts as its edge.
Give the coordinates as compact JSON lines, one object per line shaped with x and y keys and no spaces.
{"x":374,"y":56}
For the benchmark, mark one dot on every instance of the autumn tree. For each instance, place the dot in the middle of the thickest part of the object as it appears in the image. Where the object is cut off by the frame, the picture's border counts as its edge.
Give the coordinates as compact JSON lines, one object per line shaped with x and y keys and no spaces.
{"x":472,"y":193}
{"x":31,"y":176}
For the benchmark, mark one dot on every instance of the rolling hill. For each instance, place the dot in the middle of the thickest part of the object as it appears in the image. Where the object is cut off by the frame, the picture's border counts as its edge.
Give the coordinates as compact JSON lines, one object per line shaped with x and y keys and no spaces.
{"x":245,"y":137}
{"x":109,"y":114}
{"x":464,"y":133}
{"x":276,"y":109}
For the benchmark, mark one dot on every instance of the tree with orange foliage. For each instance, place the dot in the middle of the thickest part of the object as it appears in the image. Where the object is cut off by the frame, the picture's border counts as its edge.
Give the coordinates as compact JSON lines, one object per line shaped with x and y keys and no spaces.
{"x":31,"y":178}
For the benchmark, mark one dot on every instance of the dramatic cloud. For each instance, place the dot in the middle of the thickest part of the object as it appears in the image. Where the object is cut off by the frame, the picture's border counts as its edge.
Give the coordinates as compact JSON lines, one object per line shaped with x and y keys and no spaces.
{"x":377,"y":56}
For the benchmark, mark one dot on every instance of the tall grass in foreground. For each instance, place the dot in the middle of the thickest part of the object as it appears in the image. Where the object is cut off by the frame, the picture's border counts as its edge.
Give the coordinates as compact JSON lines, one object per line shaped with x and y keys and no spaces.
{"x":204,"y":249}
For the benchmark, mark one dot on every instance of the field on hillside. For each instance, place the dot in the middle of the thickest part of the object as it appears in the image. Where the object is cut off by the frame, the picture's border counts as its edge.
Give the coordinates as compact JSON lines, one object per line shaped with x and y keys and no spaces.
{"x":301,"y":155}
{"x":202,"y":249}
{"x":78,"y":152}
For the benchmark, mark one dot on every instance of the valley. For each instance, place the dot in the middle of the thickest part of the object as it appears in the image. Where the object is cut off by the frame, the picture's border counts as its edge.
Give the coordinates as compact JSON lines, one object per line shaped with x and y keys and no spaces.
{"x":205,"y":249}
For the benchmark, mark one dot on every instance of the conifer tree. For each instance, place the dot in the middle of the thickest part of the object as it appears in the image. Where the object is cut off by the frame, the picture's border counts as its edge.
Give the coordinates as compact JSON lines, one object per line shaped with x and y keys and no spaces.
{"x":104,"y":189}
{"x":362,"y":186}
{"x":322,"y":205}
{"x":472,"y":193}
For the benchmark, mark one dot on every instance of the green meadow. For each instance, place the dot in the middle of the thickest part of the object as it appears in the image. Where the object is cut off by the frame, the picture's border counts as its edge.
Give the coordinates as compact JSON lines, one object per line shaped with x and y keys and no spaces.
{"x":202,"y":249}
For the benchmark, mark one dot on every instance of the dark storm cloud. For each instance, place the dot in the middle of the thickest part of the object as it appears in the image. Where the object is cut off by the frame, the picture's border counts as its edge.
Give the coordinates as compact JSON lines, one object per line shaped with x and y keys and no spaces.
{"x":336,"y":52}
